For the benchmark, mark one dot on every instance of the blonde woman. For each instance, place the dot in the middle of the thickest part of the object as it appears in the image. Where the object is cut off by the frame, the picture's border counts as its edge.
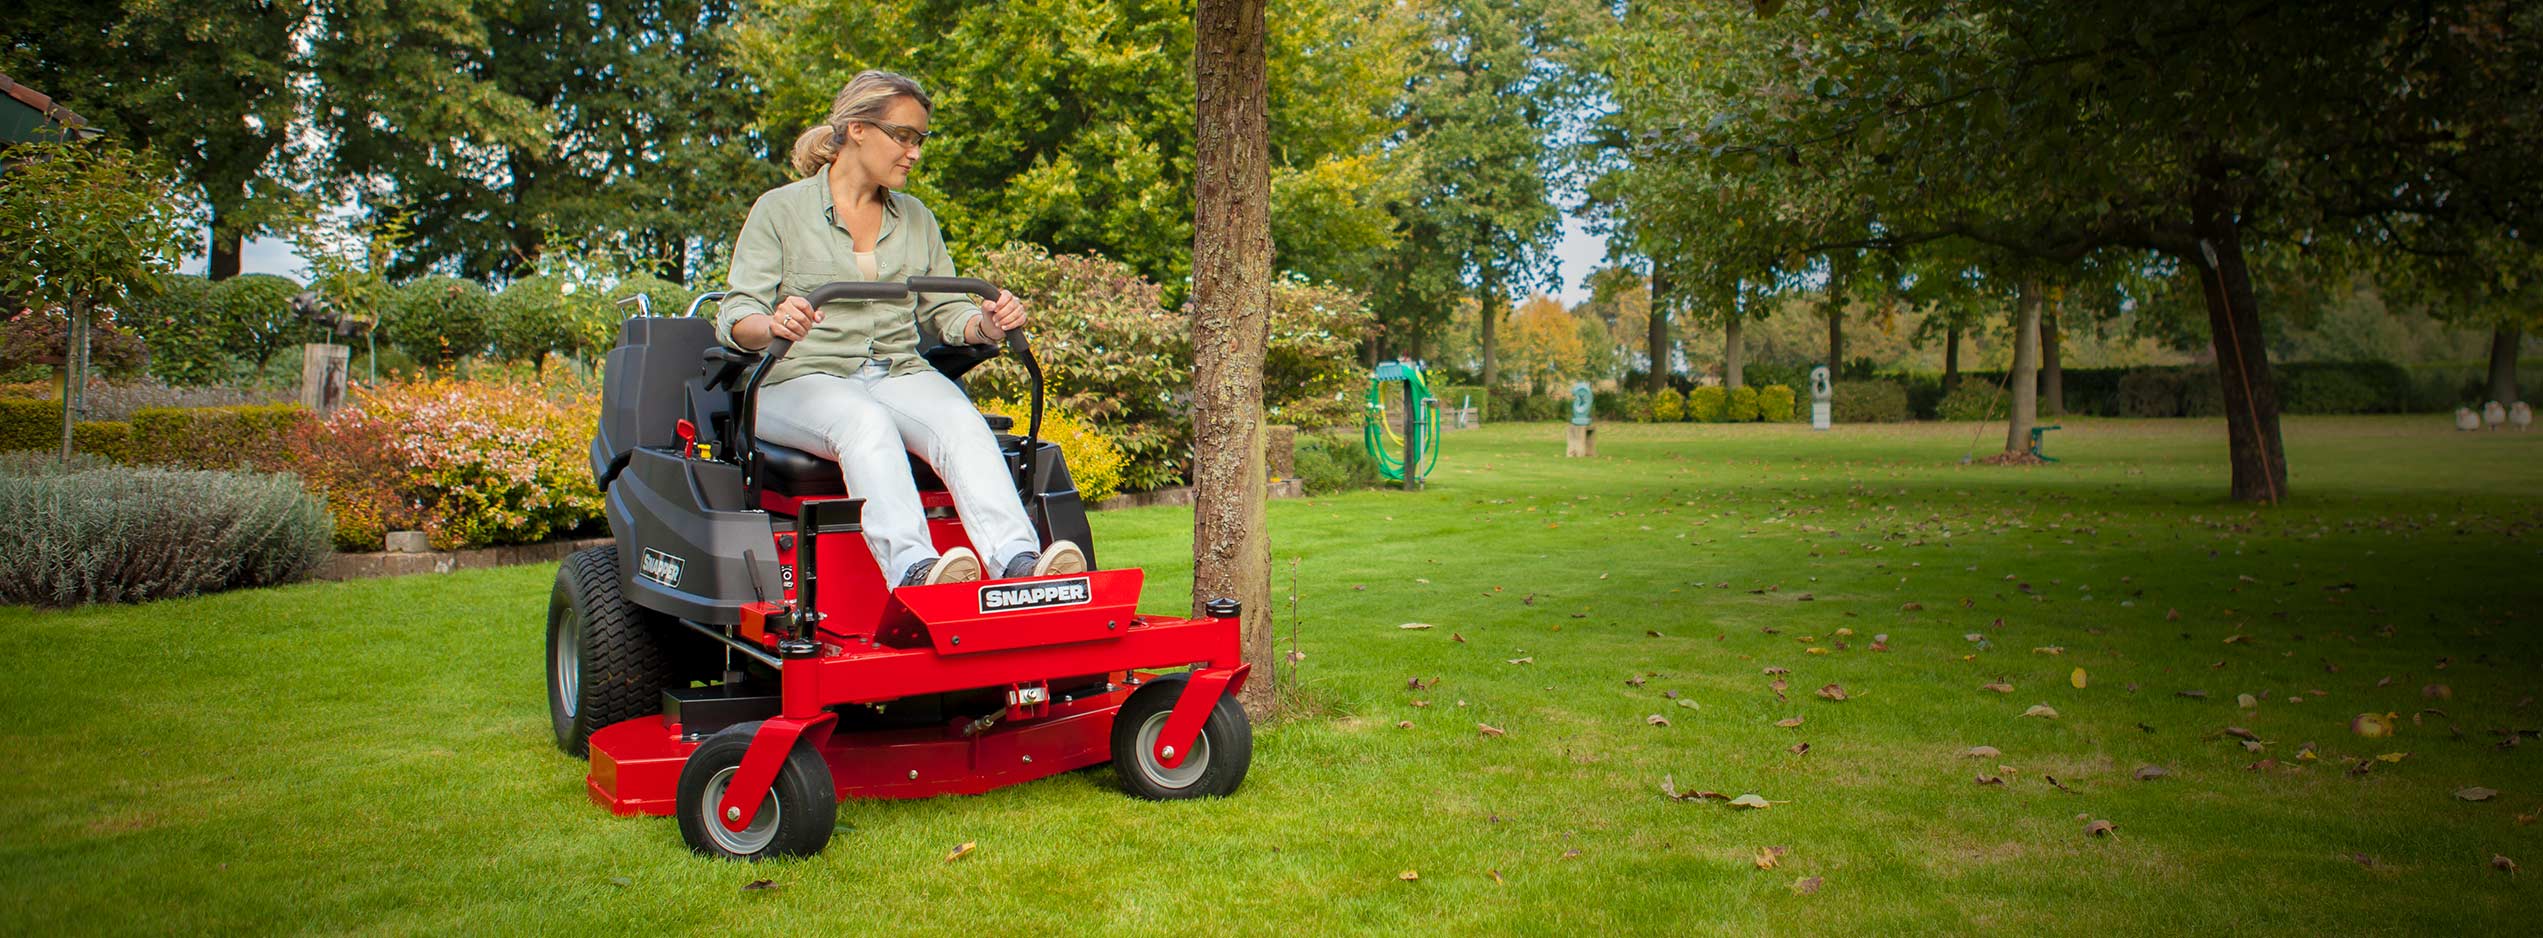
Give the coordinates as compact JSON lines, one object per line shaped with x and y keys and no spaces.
{"x":854,"y":388}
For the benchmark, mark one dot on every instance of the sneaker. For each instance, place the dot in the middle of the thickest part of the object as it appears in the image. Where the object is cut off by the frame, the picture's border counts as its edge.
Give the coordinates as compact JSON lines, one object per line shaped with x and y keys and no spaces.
{"x":959,"y":565}
{"x":1063,"y":557}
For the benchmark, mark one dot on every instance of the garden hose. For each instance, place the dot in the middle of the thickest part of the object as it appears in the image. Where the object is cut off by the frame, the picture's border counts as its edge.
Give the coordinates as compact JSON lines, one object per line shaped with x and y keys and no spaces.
{"x":1385,"y":445}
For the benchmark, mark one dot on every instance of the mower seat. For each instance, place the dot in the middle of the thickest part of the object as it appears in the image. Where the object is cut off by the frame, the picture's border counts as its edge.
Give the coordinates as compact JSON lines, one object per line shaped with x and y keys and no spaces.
{"x":786,"y":470}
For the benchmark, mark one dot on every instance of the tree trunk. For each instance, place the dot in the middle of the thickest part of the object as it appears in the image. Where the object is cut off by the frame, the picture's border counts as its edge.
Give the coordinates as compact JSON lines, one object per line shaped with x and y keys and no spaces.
{"x":74,"y":370}
{"x":2503,"y":363}
{"x":225,"y":248}
{"x":1734,"y":357}
{"x":2242,"y":360}
{"x":1836,"y":336}
{"x":2026,"y":363}
{"x":1231,"y":325}
{"x":1951,"y":357}
{"x":1657,"y":343}
{"x":2052,"y":380}
{"x":1490,"y":313}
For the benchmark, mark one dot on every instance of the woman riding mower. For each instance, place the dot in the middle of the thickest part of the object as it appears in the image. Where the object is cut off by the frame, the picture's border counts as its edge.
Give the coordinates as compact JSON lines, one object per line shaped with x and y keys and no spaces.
{"x":854,"y":388}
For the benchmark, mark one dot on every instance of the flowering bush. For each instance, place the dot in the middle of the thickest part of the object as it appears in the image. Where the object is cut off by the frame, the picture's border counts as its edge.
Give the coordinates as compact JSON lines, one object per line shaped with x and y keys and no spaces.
{"x":475,"y":463}
{"x":33,"y":339}
{"x":1094,"y":463}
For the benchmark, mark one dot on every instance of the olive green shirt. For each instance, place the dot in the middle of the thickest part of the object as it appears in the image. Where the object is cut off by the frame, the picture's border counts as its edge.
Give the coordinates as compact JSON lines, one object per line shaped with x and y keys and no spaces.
{"x":793,"y":243}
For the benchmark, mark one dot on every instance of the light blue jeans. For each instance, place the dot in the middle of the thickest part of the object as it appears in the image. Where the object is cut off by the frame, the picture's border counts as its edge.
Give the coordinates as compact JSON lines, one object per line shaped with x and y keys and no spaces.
{"x":867,"y":422}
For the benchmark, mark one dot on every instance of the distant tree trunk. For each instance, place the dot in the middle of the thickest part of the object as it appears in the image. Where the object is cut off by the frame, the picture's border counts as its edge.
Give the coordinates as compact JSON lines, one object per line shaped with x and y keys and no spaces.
{"x":225,"y":250}
{"x":1733,"y":356}
{"x":1231,"y":325}
{"x":74,"y":370}
{"x":1836,"y":336}
{"x":1490,"y":313}
{"x":2252,"y":442}
{"x":2026,"y":364}
{"x":1657,"y":343}
{"x":2503,"y":363}
{"x":2052,"y":380}
{"x":1951,"y":357}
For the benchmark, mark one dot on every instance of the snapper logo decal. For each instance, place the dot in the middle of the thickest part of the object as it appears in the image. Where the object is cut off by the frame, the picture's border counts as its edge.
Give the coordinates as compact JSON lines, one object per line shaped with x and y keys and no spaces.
{"x":661,"y":568}
{"x":1043,"y":595}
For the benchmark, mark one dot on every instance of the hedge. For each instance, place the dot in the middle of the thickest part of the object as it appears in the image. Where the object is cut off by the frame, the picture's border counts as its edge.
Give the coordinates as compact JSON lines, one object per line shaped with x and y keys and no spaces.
{"x":188,"y":437}
{"x":1707,"y":405}
{"x":91,"y":532}
{"x":1775,"y":403}
{"x":1869,"y":401}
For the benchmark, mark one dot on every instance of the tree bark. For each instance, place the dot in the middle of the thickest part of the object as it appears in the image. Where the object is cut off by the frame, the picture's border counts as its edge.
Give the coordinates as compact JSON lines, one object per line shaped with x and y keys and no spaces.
{"x":1734,"y":356}
{"x":2052,"y":379}
{"x":2026,"y":363}
{"x":1490,"y":314}
{"x":1656,"y":344}
{"x":1836,"y":336}
{"x":2242,"y":360}
{"x":2503,"y":363}
{"x":1231,"y":322}
{"x":223,"y":263}
{"x":1951,"y":357}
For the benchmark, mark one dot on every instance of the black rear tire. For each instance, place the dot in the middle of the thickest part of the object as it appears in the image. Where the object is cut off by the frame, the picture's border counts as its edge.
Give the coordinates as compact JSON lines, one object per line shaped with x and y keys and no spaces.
{"x":795,"y":820}
{"x":1219,"y":755}
{"x":607,"y":660}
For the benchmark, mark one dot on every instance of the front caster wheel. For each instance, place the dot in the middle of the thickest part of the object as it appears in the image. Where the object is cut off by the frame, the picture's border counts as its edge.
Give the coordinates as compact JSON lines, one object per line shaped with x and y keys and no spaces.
{"x":793,"y":821}
{"x":1219,"y":756}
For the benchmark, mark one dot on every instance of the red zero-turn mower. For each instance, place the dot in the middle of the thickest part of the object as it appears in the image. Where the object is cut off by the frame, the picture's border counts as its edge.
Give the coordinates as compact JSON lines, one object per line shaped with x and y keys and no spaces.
{"x":737,"y":659}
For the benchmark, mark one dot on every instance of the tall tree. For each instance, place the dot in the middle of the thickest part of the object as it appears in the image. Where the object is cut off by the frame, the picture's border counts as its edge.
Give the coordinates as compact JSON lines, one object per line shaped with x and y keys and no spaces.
{"x":1231,"y":321}
{"x":624,"y":127}
{"x":207,"y":86}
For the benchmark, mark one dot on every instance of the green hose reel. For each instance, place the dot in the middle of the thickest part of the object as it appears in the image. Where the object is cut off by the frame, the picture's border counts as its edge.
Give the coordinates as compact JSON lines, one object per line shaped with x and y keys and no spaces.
{"x":1415,"y":451}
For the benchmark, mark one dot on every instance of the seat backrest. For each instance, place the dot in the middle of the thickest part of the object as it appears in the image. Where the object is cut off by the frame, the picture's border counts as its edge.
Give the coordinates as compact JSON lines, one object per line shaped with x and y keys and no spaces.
{"x":644,"y":385}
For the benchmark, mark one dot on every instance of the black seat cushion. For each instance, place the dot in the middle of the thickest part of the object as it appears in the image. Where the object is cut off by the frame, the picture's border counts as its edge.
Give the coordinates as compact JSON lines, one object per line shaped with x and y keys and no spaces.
{"x":786,"y":470}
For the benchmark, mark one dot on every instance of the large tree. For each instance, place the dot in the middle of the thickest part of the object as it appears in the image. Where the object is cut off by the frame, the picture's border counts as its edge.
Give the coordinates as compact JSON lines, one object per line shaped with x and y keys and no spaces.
{"x":207,"y":86}
{"x":624,"y":127}
{"x":2057,"y":129}
{"x":1231,"y":322}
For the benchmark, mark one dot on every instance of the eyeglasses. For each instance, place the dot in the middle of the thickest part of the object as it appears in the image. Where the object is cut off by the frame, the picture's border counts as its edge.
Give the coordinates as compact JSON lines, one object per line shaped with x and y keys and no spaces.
{"x":903,"y":134}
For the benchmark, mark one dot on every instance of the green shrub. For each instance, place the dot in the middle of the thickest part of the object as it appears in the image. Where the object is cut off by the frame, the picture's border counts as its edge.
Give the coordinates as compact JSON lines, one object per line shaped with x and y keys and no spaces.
{"x":1974,"y":401}
{"x":214,"y":437}
{"x":665,"y":298}
{"x":1775,"y":403}
{"x":438,"y":320}
{"x":1312,"y":375}
{"x":2150,"y":393}
{"x":2202,"y":394}
{"x":183,"y":329}
{"x":254,"y":319}
{"x":1335,"y":462}
{"x":1668,"y":406}
{"x":1869,"y":401}
{"x":1742,"y":407}
{"x":88,"y":532}
{"x":1636,"y":406}
{"x":544,"y":314}
{"x":1708,"y":405}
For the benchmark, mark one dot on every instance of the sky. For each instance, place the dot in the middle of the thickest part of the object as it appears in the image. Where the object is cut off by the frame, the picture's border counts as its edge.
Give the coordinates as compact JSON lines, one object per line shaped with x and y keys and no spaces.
{"x":1579,"y":252}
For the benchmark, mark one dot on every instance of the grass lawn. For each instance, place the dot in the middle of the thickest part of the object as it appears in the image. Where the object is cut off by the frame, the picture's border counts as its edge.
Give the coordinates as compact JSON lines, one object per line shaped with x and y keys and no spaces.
{"x":375,"y":757}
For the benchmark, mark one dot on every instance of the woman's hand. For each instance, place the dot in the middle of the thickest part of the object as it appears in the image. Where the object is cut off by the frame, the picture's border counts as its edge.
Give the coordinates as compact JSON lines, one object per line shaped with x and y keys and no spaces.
{"x":999,"y":317}
{"x":793,"y":319}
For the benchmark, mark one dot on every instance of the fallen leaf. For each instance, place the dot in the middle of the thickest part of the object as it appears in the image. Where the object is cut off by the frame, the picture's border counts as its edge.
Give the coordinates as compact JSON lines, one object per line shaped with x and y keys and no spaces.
{"x":1408,"y":876}
{"x":2503,"y":864}
{"x":2054,"y":783}
{"x":1489,"y":729}
{"x":1654,"y":633}
{"x":1766,"y":857}
{"x":760,"y":885}
{"x":2241,"y":733}
{"x":2364,"y":860}
{"x":2437,"y":692}
{"x":1789,"y":722}
{"x":1414,"y":625}
{"x":2238,"y":639}
{"x":1403,"y":724}
{"x":1688,"y":703}
{"x":1912,"y":607}
{"x":2372,"y":725}
{"x":2393,"y":757}
{"x":621,"y":882}
{"x":2041,"y":710}
{"x":1571,"y":854}
{"x":2476,"y":793}
{"x":1457,"y":637}
{"x":1999,"y":687}
{"x":1656,"y":720}
{"x":1985,"y":779}
{"x":1753,"y":801}
{"x":1807,"y":885}
{"x":1832,"y":692}
{"x":1772,"y":671}
{"x":2076,"y":679}
{"x":2192,"y":694}
{"x":2246,"y":701}
{"x":1798,"y":748}
{"x":2049,"y":650}
{"x":2101,"y":829}
{"x":1982,"y":752}
{"x":2148,"y":773}
{"x":1495,"y":874}
{"x":1531,"y":659}
{"x":1633,"y":681}
{"x":2172,"y":615}
{"x":961,"y":851}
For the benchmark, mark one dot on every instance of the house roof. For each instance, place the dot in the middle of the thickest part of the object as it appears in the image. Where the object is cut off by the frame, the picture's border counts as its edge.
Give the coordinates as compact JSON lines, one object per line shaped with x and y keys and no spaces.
{"x":45,"y":109}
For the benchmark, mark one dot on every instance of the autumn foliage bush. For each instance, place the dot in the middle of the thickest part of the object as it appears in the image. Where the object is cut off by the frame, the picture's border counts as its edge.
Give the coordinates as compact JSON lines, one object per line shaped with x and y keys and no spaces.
{"x":469,"y":463}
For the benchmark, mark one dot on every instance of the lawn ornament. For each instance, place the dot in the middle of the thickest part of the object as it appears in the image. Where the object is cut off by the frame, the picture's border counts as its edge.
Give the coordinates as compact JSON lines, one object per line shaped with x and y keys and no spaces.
{"x":737,"y":659}
{"x":1581,"y":439}
{"x":1822,"y":398}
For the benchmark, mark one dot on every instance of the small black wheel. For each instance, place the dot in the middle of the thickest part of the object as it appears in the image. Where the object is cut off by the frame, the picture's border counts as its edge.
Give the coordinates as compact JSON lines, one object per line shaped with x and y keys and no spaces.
{"x":606,"y":662}
{"x":795,"y":819}
{"x":1219,"y":756}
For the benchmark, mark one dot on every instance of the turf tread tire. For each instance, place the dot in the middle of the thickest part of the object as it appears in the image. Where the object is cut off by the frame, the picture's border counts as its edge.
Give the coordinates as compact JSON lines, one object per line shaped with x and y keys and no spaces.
{"x":625,"y":665}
